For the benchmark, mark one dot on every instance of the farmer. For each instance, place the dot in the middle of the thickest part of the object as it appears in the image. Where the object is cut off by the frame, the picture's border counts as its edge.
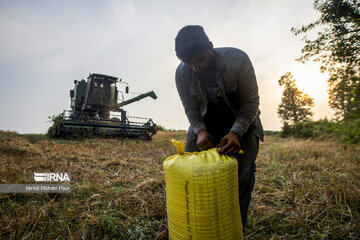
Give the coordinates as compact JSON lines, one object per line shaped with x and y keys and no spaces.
{"x":218,"y":89}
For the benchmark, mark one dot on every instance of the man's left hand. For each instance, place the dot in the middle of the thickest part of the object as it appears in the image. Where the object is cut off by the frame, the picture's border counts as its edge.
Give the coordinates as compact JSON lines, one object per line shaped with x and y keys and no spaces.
{"x":229,"y":144}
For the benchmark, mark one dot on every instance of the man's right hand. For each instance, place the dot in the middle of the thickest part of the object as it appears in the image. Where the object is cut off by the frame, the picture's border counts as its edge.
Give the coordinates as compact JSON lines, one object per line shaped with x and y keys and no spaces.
{"x":204,"y":140}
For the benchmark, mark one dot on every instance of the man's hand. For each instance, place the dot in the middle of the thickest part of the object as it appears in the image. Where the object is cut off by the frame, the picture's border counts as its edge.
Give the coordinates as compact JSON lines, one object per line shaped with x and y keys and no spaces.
{"x":204,"y":140}
{"x":229,"y":144}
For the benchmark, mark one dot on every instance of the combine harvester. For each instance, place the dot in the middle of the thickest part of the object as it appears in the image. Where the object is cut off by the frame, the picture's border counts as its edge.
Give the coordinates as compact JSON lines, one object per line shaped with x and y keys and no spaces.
{"x":92,"y":102}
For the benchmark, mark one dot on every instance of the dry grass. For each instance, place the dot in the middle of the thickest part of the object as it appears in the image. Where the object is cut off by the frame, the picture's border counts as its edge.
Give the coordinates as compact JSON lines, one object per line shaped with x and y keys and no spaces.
{"x":305,"y":189}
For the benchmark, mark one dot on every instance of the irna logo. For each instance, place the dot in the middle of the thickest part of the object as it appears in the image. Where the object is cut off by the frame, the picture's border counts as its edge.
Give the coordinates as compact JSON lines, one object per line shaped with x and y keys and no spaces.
{"x":52,"y":177}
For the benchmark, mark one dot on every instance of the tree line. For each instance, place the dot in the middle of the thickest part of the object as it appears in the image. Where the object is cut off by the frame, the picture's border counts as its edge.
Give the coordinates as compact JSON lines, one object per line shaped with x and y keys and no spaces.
{"x":337,"y":48}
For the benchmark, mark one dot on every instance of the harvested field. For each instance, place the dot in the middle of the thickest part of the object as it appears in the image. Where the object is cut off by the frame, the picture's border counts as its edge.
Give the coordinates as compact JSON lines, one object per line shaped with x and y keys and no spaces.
{"x":305,"y":189}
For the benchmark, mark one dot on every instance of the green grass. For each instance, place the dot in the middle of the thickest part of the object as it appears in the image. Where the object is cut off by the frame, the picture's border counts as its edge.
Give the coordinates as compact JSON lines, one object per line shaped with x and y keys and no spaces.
{"x":33,"y":138}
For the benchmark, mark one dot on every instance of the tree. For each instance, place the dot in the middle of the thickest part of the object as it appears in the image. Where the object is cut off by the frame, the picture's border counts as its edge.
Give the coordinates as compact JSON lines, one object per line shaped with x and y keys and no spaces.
{"x":338,"y":42}
{"x":337,"y":48}
{"x":344,"y":93}
{"x":295,"y":105}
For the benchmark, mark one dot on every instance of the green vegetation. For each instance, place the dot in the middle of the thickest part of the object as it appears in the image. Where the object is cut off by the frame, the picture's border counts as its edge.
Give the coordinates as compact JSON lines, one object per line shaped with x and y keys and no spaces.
{"x":348,"y":130}
{"x":270,"y":133}
{"x":56,"y":121}
{"x":161,"y":128}
{"x":33,"y":138}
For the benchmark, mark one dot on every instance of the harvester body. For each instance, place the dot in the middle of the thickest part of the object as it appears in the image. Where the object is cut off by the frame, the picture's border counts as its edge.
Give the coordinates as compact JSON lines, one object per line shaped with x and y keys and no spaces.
{"x":94,"y":104}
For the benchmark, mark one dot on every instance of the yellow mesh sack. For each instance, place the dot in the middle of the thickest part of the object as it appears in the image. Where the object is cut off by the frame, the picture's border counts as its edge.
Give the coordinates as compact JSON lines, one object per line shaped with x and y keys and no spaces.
{"x":202,"y":195}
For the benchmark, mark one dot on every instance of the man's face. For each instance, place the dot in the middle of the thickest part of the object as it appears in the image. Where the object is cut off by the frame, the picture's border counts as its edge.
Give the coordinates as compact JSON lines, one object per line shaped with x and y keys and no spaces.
{"x":200,"y":62}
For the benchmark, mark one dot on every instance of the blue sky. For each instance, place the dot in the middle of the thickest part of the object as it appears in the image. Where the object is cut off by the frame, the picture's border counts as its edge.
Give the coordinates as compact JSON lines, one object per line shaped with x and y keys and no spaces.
{"x":45,"y":45}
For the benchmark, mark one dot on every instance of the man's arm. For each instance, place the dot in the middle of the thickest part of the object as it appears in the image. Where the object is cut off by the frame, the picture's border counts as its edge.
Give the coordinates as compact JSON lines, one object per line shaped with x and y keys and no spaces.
{"x":189,"y":102}
{"x":192,"y":110}
{"x":248,"y":98}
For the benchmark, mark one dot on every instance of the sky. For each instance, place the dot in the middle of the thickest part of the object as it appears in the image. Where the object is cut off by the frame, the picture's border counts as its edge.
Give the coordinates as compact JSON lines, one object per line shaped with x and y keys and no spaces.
{"x":45,"y":45}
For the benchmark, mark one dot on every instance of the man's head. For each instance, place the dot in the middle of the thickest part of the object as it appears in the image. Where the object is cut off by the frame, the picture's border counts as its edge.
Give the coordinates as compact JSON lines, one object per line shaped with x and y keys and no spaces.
{"x":193,"y":47}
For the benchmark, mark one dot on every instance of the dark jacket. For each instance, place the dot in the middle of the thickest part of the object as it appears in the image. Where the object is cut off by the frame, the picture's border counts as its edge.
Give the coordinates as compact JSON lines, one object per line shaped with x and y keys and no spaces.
{"x":237,"y":81}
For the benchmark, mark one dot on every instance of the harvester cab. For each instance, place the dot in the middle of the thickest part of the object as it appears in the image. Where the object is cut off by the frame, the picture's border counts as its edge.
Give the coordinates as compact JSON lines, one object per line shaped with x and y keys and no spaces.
{"x":94,"y":104}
